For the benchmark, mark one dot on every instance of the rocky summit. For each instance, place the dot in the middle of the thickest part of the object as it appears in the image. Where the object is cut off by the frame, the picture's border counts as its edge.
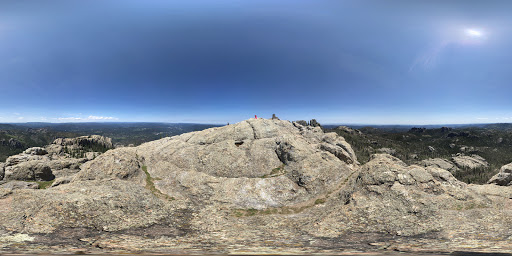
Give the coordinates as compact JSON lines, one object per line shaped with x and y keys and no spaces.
{"x":260,"y":186}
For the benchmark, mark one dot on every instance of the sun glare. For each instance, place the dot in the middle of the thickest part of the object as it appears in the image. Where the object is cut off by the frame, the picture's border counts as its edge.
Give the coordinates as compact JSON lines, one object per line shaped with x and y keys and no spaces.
{"x":474,"y":33}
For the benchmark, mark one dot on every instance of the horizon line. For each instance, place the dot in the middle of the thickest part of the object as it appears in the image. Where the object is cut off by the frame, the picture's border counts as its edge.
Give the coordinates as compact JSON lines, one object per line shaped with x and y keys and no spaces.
{"x":325,"y":124}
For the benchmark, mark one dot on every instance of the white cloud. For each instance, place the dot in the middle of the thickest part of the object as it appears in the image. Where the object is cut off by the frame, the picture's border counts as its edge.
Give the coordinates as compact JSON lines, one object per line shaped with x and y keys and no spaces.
{"x":89,"y":118}
{"x":21,"y":118}
{"x":70,"y":118}
{"x":102,"y":118}
{"x":482,"y":118}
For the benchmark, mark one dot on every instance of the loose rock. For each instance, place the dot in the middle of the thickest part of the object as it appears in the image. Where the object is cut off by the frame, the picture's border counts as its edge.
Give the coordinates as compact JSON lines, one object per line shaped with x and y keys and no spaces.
{"x":503,"y":177}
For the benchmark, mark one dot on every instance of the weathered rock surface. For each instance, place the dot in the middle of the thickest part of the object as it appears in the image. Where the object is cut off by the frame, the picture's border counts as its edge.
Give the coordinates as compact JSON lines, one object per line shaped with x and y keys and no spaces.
{"x":92,"y":155}
{"x":80,"y":147}
{"x":54,"y":160}
{"x":2,"y":171}
{"x":398,"y":199}
{"x":261,"y":186}
{"x":62,"y":180}
{"x":257,"y":163}
{"x":472,"y":162}
{"x":36,"y":170}
{"x":114,"y":164}
{"x":425,"y":209}
{"x":84,"y":141}
{"x":112,"y":206}
{"x":17,"y":184}
{"x":36,"y":151}
{"x":348,"y":130}
{"x":439,"y":163}
{"x":503,"y":177}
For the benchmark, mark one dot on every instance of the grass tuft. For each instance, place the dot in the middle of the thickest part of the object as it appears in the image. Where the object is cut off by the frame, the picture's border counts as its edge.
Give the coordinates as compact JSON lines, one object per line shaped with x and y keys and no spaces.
{"x":320,"y":201}
{"x":150,"y":185}
{"x":44,"y":184}
{"x":275,"y":172}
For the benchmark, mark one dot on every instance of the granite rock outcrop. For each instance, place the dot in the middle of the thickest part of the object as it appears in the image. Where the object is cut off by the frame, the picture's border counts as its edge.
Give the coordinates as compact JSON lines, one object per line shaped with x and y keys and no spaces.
{"x":61,"y":158}
{"x":503,"y":177}
{"x":440,"y":163}
{"x":472,"y":162}
{"x":261,"y":186}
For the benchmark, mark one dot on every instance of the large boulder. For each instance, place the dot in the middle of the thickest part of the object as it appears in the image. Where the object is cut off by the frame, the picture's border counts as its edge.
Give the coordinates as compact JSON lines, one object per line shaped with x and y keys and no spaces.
{"x":258,"y":163}
{"x":114,"y":164}
{"x":390,"y":197}
{"x":36,"y":151}
{"x":62,"y":180}
{"x":20,"y":158}
{"x":59,"y":165}
{"x":64,"y":166}
{"x":503,"y":177}
{"x":35,"y":170}
{"x":439,"y":163}
{"x":472,"y":162}
{"x":348,"y":130}
{"x":337,"y":145}
{"x":18,"y":184}
{"x":59,"y":159}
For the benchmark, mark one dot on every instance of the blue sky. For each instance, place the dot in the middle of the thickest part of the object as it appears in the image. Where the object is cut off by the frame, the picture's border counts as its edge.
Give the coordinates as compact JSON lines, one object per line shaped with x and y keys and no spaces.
{"x":372,"y":62}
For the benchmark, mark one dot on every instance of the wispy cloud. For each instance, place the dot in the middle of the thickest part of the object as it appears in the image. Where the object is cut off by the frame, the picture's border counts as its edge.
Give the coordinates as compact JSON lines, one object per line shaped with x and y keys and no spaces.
{"x":495,"y":118}
{"x":89,"y":118}
{"x":429,"y":59}
{"x":102,"y":118}
{"x":21,"y":118}
{"x":69,"y":118}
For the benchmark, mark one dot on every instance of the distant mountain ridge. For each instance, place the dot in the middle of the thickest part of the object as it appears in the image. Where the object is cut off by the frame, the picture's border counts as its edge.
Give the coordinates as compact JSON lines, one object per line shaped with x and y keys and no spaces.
{"x":123,"y":134}
{"x":501,"y":126}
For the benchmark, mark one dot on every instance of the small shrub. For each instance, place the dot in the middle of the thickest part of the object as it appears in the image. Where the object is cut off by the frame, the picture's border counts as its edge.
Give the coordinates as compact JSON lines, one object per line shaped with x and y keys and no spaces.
{"x":44,"y":184}
{"x":275,"y":172}
{"x":251,"y":212}
{"x":320,"y":201}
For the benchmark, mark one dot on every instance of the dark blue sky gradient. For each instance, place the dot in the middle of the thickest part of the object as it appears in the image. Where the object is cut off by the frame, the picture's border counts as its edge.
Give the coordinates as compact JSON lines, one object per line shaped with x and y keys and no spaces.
{"x":378,"y":62}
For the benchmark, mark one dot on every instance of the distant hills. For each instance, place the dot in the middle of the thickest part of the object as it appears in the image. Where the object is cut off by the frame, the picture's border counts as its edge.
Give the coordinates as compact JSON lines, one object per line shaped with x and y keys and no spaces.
{"x":413,"y":144}
{"x":26,"y":135}
{"x":500,"y":126}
